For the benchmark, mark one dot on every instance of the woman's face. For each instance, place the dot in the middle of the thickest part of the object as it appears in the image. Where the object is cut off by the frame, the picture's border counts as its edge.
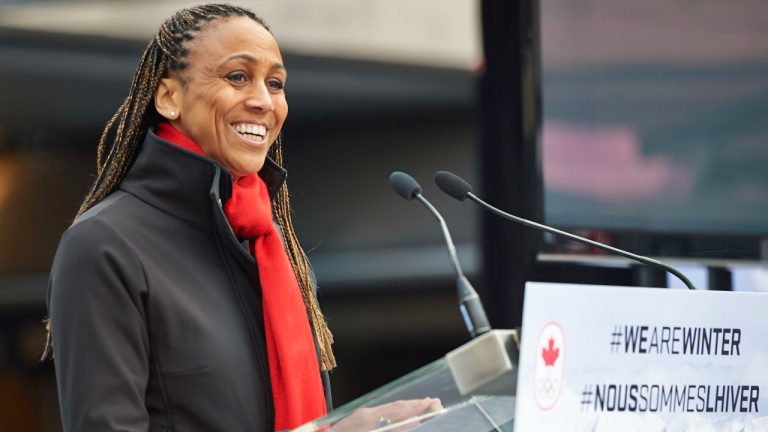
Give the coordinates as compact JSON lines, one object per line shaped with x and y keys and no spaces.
{"x":230,"y":99}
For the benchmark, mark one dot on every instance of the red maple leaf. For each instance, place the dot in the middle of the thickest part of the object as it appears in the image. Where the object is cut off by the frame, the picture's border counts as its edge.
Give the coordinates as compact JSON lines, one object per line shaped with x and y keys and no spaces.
{"x":550,"y":353}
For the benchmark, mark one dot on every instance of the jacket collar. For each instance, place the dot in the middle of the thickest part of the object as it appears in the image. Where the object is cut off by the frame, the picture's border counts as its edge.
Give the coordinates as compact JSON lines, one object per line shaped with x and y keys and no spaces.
{"x":180,"y":183}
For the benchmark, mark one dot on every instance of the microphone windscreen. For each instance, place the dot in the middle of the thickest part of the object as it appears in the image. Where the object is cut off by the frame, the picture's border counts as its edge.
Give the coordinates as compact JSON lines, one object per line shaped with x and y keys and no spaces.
{"x":452,"y":184}
{"x":404,"y":185}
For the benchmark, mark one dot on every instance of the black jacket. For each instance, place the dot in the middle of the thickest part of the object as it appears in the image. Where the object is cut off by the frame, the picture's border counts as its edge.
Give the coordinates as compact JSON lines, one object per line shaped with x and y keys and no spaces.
{"x":155,"y":306}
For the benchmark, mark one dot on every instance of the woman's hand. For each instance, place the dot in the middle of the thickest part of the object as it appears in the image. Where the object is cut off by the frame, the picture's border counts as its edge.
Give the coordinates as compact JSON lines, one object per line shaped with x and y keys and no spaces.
{"x":368,"y":419}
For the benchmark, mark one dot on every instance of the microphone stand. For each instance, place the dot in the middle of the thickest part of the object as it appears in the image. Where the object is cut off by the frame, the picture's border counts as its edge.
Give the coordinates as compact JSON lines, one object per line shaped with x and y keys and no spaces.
{"x":471,"y":307}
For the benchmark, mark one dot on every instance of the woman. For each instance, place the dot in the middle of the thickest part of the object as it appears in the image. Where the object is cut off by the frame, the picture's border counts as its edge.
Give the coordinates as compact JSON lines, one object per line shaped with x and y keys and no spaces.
{"x":176,"y":303}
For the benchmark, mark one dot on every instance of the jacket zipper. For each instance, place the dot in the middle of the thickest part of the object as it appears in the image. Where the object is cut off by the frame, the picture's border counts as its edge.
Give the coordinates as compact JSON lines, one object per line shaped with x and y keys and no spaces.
{"x":249,"y":319}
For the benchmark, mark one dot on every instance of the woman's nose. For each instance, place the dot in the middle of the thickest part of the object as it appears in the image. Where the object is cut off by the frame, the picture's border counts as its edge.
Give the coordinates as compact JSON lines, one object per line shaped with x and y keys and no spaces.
{"x":260,"y":98}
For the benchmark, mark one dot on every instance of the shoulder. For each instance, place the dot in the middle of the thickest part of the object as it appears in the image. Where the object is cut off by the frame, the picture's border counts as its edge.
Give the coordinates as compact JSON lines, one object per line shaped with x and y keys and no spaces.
{"x":96,"y":243}
{"x":105,"y":213}
{"x":94,"y":228}
{"x":112,"y":220}
{"x":95,"y":272}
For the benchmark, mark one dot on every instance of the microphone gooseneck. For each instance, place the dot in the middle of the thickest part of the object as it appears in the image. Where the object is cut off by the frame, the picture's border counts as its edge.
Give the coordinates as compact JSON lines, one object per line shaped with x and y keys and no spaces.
{"x":470,"y":305}
{"x":447,"y":234}
{"x":456,"y":187}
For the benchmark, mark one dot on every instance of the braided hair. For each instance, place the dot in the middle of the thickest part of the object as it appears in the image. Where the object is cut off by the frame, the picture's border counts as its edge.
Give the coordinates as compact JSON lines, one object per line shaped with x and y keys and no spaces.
{"x":167,"y":53}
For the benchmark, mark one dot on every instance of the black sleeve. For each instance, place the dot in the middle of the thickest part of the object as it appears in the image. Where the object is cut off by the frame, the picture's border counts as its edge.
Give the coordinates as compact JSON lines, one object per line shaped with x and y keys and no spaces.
{"x":100,"y":342}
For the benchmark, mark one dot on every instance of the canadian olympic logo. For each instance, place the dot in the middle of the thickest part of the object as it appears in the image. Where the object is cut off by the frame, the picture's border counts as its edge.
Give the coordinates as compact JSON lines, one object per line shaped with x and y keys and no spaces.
{"x":548,"y":372}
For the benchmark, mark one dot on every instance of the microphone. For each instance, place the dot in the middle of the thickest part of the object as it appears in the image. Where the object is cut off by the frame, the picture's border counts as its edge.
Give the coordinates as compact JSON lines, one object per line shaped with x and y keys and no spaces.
{"x":456,"y":187}
{"x":405,"y":185}
{"x":470,"y":305}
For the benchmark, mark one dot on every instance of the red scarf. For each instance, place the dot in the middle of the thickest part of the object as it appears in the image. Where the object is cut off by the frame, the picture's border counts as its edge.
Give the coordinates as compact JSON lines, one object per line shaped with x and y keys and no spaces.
{"x":296,"y":388}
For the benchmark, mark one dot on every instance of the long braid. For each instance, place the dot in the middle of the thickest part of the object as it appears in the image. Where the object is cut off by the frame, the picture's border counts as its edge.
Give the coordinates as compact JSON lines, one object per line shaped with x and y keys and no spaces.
{"x":283,"y":213}
{"x":166,"y":53}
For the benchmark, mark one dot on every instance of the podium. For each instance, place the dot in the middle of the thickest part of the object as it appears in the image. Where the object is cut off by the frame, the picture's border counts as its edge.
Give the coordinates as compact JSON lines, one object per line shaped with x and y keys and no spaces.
{"x":476,"y":384}
{"x":598,"y":358}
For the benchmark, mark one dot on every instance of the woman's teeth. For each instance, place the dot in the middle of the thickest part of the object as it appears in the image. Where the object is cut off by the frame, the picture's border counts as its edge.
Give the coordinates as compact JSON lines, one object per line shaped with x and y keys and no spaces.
{"x":252,"y":132}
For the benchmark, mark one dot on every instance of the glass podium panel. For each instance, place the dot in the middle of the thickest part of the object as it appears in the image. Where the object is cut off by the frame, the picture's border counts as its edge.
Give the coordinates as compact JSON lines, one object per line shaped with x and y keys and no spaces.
{"x":475,"y":384}
{"x":479,"y":413}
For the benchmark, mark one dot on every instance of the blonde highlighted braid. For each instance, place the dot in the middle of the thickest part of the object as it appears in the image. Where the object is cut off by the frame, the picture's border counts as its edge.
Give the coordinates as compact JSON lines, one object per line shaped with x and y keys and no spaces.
{"x":283,"y":214}
{"x":166,"y":53}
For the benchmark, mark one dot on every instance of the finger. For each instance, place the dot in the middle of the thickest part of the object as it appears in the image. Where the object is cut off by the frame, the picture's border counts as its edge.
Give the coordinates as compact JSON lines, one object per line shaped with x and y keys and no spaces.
{"x":435,"y":404}
{"x":403,"y":409}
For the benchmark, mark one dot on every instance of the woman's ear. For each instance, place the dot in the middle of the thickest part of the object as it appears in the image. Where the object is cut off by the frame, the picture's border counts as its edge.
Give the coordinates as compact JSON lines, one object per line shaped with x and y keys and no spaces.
{"x":167,"y":98}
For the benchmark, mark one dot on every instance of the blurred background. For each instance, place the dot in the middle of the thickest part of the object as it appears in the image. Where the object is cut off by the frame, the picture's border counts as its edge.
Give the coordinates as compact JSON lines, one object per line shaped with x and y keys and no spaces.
{"x":640,"y":124}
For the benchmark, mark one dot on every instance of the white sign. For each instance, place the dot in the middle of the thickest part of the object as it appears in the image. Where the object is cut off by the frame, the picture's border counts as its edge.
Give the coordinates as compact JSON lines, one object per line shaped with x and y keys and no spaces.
{"x":597,"y":358}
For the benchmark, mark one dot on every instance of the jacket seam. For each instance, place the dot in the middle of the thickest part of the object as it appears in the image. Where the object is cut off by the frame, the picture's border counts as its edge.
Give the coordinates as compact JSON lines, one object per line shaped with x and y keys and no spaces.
{"x":153,"y":359}
{"x":157,"y":365}
{"x":150,"y":336}
{"x":93,"y":214}
{"x":163,"y":392}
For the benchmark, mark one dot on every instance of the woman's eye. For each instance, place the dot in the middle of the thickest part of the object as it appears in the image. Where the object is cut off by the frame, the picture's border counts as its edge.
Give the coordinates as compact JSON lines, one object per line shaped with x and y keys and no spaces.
{"x":275,"y":84}
{"x":237,"y":77}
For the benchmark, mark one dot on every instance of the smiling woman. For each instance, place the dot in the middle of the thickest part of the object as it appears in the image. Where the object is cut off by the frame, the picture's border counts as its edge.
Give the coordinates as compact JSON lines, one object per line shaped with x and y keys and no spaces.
{"x":180,"y":298}
{"x":230,"y":99}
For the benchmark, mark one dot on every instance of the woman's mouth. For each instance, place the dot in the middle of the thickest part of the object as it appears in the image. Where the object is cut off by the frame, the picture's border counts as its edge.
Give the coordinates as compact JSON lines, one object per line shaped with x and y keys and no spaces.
{"x":252,"y":132}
